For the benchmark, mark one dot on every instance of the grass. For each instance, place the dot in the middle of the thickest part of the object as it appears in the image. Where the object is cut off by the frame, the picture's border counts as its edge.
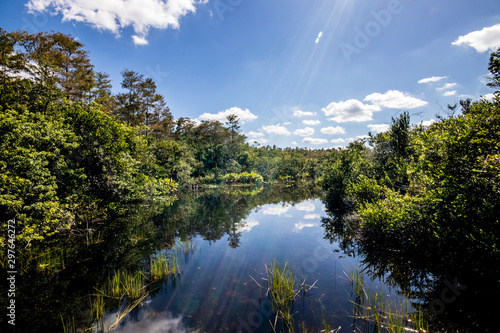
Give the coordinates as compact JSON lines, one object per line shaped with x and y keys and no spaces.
{"x":69,"y":325}
{"x":281,"y":293}
{"x":376,"y":312}
{"x":162,"y":266}
{"x":124,"y":283}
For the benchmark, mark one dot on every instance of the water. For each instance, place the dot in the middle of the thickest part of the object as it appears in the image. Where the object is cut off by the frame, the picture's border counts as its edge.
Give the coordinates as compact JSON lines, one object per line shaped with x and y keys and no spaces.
{"x":232,"y":233}
{"x":216,"y":290}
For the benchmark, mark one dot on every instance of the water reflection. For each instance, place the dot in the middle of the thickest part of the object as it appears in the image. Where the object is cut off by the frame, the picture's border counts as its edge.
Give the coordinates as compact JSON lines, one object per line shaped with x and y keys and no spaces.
{"x":237,"y":232}
{"x":450,"y":299}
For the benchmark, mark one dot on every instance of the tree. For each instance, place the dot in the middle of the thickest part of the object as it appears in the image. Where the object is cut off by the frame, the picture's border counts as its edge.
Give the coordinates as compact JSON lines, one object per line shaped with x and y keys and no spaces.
{"x":129,"y":109}
{"x":58,"y":60}
{"x":101,"y":93}
{"x":494,"y":68}
{"x":11,"y":62}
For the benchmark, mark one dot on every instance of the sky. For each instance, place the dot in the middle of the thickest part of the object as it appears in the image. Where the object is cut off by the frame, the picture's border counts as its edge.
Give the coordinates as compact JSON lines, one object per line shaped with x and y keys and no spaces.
{"x":298,"y":73}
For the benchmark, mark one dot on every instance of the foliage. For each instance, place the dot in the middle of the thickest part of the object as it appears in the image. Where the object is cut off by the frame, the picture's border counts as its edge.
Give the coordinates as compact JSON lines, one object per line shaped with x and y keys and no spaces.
{"x":433,"y":190}
{"x":243,"y":178}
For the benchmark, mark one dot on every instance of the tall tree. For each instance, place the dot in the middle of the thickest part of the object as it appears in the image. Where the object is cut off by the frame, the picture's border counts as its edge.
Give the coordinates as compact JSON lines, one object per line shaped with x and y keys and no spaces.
{"x":494,"y":68}
{"x":129,"y":109}
{"x":56,"y":59}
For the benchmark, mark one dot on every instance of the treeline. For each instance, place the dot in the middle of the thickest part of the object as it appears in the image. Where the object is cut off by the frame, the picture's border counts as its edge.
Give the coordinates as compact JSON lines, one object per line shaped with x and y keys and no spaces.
{"x":428,"y":190}
{"x":72,"y":152}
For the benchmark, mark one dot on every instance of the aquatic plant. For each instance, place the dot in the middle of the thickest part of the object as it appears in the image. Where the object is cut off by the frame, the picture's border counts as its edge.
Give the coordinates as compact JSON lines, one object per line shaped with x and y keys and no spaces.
{"x":281,"y":292}
{"x":377,"y":312}
{"x":162,"y":266}
{"x":68,"y":325}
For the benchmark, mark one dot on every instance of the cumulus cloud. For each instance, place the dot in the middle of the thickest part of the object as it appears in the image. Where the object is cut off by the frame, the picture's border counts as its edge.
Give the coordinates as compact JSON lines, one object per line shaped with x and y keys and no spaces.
{"x":432,"y":79}
{"x":489,"y":97}
{"x":243,"y":115}
{"x":450,"y":93}
{"x":301,"y":225}
{"x":378,"y":128}
{"x":299,"y":113}
{"x":294,"y":143}
{"x":428,"y":122}
{"x":311,"y":122}
{"x":394,"y":99}
{"x":308,"y":131}
{"x":350,"y":110}
{"x":305,"y":206}
{"x":312,"y":216}
{"x":487,"y":39}
{"x":447,"y":86}
{"x":139,"y":40}
{"x":255,"y":134}
{"x":330,"y":130}
{"x":115,"y":15}
{"x":276,"y":129}
{"x":315,"y":141}
{"x":276,"y":210}
{"x":247,"y":225}
{"x":257,"y":141}
{"x":339,"y":140}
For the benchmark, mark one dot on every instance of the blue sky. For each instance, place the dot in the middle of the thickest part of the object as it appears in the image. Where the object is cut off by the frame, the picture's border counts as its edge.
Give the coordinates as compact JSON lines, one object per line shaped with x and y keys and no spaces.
{"x":315,"y":73}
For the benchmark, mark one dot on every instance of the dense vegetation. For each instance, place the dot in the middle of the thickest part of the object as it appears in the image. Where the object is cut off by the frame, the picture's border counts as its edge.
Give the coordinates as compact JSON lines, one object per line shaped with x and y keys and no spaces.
{"x":72,"y":152}
{"x":428,"y":190}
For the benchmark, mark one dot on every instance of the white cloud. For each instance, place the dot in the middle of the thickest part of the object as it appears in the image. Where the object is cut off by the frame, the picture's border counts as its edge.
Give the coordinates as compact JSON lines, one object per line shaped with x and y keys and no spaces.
{"x":450,"y":93}
{"x":312,"y":216}
{"x":258,"y":141}
{"x":243,"y":115}
{"x":394,"y":99}
{"x":482,"y":40}
{"x":339,"y":140}
{"x":294,"y":143}
{"x":305,"y":206}
{"x":311,"y":122}
{"x":314,"y":141}
{"x":350,"y":110}
{"x":489,"y":97}
{"x":432,"y":79}
{"x":447,"y":86}
{"x":330,"y":130}
{"x":301,"y":225}
{"x":276,"y":129}
{"x":115,"y":15}
{"x":247,"y":225}
{"x":378,"y":128}
{"x":276,"y":210}
{"x":308,"y":131}
{"x":428,"y":122}
{"x":139,"y":40}
{"x":299,"y":113}
{"x":255,"y":134}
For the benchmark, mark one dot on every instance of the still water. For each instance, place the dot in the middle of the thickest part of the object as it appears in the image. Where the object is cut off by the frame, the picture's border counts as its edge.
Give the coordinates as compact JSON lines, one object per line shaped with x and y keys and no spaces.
{"x":227,"y":237}
{"x":218,"y":286}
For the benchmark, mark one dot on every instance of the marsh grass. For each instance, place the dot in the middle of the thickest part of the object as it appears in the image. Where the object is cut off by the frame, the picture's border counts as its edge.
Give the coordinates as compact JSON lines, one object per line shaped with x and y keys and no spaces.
{"x":125,"y":283}
{"x":377,"y":312}
{"x":93,"y":238}
{"x":162,"y":265}
{"x":68,"y":325}
{"x":281,"y":293}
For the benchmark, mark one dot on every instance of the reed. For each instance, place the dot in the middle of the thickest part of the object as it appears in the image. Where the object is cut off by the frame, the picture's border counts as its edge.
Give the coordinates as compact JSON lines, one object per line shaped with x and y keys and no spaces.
{"x":378,"y":313}
{"x":281,"y":293}
{"x":162,"y":266}
{"x":124,"y":283}
{"x":69,"y":325}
